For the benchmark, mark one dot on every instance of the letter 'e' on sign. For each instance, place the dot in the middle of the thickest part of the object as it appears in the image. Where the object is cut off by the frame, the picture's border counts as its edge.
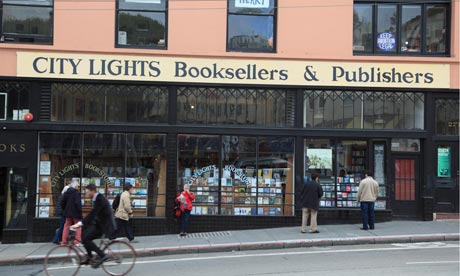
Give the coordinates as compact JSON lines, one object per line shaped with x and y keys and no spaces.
{"x":252,"y":4}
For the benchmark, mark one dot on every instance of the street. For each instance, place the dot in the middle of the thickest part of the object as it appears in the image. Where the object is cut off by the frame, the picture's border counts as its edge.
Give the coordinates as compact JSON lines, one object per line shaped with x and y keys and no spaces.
{"x":435,"y":258}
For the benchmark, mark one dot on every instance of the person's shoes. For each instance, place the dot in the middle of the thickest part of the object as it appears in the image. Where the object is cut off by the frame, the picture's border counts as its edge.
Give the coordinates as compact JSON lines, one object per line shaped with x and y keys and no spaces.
{"x":314,"y":232}
{"x":100,"y":261}
{"x":56,"y":242}
{"x":78,"y":244}
{"x":365,"y":229}
{"x":85,"y":262}
{"x":133,"y":241}
{"x":372,"y":228}
{"x":303,"y":232}
{"x":183,"y":234}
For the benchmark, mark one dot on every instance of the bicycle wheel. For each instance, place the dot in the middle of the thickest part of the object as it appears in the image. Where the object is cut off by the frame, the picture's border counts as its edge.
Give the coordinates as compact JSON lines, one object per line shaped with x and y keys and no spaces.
{"x":62,"y":260}
{"x":122,"y":258}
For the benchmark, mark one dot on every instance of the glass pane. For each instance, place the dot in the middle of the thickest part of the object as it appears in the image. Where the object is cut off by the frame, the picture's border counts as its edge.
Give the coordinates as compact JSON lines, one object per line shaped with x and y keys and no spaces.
{"x":141,"y":28}
{"x":103,"y":163}
{"x":146,"y":169}
{"x":409,"y":113}
{"x":14,"y":181}
{"x":420,"y":111}
{"x":238,"y":182}
{"x":436,"y":28}
{"x":368,"y":108}
{"x":198,"y":166}
{"x":447,"y":116}
{"x":146,"y":5}
{"x":411,"y":30}
{"x":352,"y":162}
{"x":348,"y":110}
{"x":251,"y":7}
{"x":27,"y":20}
{"x":320,"y":159}
{"x":379,"y":168}
{"x":60,"y":164}
{"x":29,"y":2}
{"x":275,"y":176}
{"x":410,"y":145}
{"x":15,"y":97}
{"x":362,"y":28}
{"x":386,"y":28}
{"x":250,"y":32}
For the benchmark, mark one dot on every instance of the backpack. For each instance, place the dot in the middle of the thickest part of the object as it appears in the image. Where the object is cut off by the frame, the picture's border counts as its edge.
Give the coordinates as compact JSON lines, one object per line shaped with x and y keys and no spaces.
{"x":116,"y":202}
{"x":177,"y":212}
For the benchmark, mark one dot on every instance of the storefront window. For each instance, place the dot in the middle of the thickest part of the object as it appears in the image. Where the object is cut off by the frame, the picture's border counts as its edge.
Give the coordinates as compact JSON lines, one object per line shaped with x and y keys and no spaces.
{"x":109,"y":103}
{"x":107,"y":160}
{"x":14,"y":184}
{"x":447,"y":116}
{"x":26,"y":21}
{"x":351,"y":166}
{"x":251,"y":26}
{"x":368,"y":110}
{"x":405,"y":145}
{"x":237,"y":175}
{"x":142,"y":24}
{"x":14,"y":100}
{"x":320,"y":159}
{"x":419,"y":28}
{"x":253,"y":107}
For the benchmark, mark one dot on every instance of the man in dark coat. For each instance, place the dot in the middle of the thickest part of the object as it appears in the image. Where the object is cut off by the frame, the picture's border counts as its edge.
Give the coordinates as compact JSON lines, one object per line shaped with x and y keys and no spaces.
{"x":309,"y":199}
{"x":99,"y":221}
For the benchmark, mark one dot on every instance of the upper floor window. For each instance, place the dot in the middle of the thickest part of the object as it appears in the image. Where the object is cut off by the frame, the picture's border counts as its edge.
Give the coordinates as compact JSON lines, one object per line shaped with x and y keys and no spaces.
{"x":251,"y":26}
{"x":26,"y":21}
{"x":412,"y":28}
{"x":142,"y":24}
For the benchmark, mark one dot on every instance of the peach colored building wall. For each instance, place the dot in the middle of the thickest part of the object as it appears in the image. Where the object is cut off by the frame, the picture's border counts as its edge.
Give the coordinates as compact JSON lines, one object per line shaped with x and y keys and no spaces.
{"x":306,"y":30}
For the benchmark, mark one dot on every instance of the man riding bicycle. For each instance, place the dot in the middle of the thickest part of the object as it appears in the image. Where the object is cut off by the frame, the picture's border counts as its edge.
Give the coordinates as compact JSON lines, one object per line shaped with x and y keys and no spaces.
{"x":99,"y":221}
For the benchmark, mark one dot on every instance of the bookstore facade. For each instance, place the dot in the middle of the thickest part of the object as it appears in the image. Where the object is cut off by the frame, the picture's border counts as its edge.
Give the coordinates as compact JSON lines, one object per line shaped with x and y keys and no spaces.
{"x":244,"y":134}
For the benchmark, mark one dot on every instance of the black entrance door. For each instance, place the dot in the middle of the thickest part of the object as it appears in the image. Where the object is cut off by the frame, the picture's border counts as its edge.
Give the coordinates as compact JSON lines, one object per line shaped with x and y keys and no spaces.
{"x":405,"y":186}
{"x":446,"y":184}
{"x":3,"y":179}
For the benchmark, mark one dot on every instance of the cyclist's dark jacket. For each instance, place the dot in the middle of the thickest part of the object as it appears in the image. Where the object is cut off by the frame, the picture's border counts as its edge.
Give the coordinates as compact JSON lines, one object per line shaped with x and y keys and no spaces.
{"x":101,"y":215}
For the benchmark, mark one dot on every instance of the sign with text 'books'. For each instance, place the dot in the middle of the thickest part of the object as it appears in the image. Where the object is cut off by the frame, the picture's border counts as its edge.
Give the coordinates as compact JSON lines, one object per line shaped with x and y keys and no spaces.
{"x":231,"y":71}
{"x":252,"y":4}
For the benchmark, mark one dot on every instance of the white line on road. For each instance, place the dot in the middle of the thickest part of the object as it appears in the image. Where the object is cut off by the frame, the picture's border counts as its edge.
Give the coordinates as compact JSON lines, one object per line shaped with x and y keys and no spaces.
{"x":294,"y":253}
{"x":433,"y":262}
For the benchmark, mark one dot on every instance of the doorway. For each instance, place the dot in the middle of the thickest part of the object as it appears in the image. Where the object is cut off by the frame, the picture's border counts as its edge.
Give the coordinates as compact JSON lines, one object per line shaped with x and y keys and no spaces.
{"x":13,"y":199}
{"x":405,"y":186}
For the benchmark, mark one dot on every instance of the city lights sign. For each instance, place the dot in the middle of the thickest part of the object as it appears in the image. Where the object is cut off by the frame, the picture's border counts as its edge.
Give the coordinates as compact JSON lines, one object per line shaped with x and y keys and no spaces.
{"x":231,"y":71}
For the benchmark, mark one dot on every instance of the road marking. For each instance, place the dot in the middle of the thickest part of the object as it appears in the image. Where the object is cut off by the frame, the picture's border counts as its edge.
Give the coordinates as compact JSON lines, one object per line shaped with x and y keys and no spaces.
{"x":293,"y":253}
{"x":433,"y":262}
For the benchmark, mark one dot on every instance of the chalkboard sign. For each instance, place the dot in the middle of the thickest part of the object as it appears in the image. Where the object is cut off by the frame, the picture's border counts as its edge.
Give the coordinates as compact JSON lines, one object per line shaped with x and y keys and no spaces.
{"x":3,"y":103}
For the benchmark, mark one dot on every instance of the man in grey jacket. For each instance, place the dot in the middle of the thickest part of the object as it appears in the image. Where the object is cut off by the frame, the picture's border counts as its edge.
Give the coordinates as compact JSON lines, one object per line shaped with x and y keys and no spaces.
{"x":367,"y":195}
{"x":309,"y":197}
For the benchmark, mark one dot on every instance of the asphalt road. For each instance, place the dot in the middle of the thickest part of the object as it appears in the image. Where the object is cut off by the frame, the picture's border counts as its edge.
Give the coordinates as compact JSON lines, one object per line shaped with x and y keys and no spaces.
{"x":439,"y":258}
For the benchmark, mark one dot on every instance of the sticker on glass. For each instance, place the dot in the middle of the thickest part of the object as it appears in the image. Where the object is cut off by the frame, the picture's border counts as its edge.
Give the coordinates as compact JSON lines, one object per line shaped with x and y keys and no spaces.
{"x":386,"y":41}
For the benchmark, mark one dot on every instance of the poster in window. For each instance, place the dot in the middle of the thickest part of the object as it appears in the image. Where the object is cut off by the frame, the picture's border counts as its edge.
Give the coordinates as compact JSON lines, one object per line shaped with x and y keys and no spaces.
{"x":45,"y":167}
{"x":44,"y":209}
{"x":444,"y":162}
{"x":318,"y":159}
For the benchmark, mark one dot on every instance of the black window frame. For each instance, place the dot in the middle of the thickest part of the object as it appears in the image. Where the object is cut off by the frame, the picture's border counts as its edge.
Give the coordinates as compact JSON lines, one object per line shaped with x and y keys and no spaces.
{"x":165,"y":11}
{"x":275,"y":33}
{"x":424,"y":4}
{"x":5,"y":38}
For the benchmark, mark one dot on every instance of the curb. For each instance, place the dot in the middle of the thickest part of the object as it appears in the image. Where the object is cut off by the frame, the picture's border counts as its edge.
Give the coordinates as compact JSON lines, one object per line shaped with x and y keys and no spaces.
{"x":286,"y":244}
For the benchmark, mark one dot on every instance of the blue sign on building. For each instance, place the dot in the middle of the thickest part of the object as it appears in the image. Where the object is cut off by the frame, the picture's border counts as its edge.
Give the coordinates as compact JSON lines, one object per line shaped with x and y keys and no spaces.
{"x":386,"y":41}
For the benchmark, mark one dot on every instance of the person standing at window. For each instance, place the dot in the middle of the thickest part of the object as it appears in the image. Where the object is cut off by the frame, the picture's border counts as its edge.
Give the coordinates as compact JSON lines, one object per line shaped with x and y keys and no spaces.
{"x":71,"y":204}
{"x":59,"y":212}
{"x":123,"y":214}
{"x":310,"y":196}
{"x":185,"y":198}
{"x":368,"y":191}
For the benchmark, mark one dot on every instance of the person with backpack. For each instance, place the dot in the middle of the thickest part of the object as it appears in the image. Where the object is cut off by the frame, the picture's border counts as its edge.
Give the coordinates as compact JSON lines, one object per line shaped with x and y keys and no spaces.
{"x":185,"y":199}
{"x":71,"y":206}
{"x":123,"y":213}
{"x":58,"y":212}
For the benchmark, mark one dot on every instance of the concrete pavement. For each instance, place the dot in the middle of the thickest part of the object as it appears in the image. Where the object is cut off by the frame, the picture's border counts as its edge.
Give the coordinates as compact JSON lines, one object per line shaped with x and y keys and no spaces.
{"x":274,"y":238}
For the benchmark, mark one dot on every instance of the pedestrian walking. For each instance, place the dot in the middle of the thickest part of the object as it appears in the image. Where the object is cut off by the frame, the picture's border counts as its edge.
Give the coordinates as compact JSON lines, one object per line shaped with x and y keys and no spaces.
{"x":71,"y":206}
{"x":185,"y":198}
{"x":58,"y":212}
{"x":309,"y":198}
{"x":123,"y":214}
{"x":368,"y":191}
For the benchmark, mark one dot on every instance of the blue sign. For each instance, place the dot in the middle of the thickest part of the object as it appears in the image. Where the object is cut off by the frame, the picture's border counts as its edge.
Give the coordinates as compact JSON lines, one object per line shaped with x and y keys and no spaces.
{"x":386,"y":41}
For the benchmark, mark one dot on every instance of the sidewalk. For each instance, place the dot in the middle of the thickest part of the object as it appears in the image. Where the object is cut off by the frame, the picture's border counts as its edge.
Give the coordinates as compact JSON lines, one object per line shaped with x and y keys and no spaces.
{"x":274,"y":238}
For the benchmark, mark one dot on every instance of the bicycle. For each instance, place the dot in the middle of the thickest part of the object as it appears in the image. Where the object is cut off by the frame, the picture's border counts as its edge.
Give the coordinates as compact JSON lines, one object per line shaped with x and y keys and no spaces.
{"x":65,"y":259}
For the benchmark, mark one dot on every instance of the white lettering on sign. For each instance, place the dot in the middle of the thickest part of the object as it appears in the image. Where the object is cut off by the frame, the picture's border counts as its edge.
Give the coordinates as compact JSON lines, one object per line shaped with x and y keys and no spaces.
{"x":253,"y":4}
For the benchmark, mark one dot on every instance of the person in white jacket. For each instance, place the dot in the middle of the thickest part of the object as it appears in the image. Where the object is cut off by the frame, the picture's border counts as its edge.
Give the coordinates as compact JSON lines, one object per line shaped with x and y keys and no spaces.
{"x":123,"y":214}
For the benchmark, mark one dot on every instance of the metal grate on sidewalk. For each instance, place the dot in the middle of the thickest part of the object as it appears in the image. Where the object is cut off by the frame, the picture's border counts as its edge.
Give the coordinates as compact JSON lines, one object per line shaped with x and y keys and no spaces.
{"x":207,"y":235}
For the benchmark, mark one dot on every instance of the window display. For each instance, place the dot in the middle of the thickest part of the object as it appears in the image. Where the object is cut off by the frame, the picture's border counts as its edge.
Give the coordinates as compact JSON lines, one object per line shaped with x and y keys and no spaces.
{"x":108,"y":161}
{"x":232,"y":179}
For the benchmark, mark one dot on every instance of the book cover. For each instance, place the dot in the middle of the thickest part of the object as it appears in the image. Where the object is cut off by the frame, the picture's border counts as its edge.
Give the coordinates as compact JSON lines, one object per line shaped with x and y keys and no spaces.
{"x":260,"y":211}
{"x":278,"y":200}
{"x":271,"y":201}
{"x":265,"y":201}
{"x":204,"y":210}
{"x":267,"y":173}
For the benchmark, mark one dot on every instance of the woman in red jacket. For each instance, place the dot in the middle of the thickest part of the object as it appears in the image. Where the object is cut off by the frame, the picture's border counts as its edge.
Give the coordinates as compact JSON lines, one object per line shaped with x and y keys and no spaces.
{"x":185,"y":198}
